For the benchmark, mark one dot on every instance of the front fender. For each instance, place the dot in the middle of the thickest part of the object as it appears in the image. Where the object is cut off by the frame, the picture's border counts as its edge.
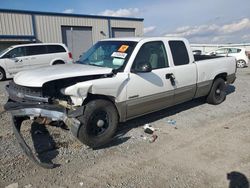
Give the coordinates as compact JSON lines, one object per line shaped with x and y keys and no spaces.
{"x":111,"y":86}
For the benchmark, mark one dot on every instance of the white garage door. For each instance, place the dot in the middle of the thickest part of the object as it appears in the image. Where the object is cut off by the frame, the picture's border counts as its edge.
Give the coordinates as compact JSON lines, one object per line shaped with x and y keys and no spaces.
{"x":123,"y":32}
{"x":77,"y":39}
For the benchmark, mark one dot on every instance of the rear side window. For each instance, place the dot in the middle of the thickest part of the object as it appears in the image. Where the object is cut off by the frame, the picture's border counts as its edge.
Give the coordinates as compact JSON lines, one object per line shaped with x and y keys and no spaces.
{"x":36,"y":50}
{"x":179,"y":52}
{"x":55,"y":49}
{"x":234,"y":50}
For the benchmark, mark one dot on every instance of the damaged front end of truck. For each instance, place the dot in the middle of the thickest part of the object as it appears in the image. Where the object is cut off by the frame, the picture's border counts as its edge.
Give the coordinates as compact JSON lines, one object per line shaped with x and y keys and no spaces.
{"x":43,"y":104}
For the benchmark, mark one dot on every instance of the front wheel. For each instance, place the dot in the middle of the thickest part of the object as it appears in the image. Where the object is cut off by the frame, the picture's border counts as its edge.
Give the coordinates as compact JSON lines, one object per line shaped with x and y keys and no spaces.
{"x":218,"y":92}
{"x":2,"y":75}
{"x":98,"y":123}
{"x":241,"y":63}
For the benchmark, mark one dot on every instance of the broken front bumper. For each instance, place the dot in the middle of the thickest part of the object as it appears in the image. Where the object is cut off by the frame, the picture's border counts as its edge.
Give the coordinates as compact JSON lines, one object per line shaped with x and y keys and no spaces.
{"x":21,"y":111}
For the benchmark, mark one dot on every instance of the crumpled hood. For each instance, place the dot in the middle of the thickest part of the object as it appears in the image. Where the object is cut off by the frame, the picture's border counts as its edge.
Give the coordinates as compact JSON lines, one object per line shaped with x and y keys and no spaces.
{"x":37,"y":77}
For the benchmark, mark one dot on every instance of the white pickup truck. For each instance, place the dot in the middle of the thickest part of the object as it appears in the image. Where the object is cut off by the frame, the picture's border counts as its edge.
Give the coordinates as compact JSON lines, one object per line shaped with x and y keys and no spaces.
{"x":116,"y":80}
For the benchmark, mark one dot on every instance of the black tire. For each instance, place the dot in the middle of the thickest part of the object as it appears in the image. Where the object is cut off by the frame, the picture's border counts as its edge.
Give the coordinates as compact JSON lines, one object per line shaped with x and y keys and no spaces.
{"x":218,"y":92}
{"x":2,"y":74}
{"x":59,"y":62}
{"x":98,"y":112}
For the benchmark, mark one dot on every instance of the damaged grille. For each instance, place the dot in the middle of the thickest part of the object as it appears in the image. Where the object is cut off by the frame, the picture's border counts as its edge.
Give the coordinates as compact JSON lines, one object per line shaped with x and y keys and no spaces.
{"x":34,"y":91}
{"x":20,"y":93}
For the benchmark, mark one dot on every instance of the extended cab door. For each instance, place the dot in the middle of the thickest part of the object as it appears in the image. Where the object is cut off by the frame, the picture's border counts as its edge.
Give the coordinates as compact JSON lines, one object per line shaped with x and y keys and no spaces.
{"x":185,"y":72}
{"x":149,"y":91}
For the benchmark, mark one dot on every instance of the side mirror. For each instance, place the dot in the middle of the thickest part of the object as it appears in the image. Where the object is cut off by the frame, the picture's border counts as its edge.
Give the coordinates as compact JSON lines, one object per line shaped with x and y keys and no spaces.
{"x":142,"y":67}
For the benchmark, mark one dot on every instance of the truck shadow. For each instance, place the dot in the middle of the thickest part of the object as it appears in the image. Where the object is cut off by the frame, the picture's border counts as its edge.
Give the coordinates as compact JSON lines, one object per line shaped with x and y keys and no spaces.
{"x":43,"y":142}
{"x":230,"y":89}
{"x":123,"y":128}
{"x":237,"y":180}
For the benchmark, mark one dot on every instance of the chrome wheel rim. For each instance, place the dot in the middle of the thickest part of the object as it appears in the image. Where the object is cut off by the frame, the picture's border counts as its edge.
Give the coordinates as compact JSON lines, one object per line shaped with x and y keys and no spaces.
{"x":240,"y":64}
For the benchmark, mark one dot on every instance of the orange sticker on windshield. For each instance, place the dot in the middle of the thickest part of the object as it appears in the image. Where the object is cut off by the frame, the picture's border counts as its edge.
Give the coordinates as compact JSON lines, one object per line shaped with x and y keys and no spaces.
{"x":123,"y":48}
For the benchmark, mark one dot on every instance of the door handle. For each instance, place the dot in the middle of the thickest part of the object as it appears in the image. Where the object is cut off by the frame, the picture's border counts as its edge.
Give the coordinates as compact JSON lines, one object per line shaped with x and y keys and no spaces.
{"x":18,"y":60}
{"x":171,"y":77}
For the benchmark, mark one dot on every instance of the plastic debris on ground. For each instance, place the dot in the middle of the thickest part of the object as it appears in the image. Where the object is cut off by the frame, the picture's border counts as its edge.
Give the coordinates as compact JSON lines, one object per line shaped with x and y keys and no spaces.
{"x":148,"y":128}
{"x":154,"y":137}
{"x":171,"y":122}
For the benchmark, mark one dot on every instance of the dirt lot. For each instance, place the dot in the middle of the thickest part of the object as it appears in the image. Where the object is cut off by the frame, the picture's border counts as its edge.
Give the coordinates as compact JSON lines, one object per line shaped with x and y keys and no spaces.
{"x":206,"y":144}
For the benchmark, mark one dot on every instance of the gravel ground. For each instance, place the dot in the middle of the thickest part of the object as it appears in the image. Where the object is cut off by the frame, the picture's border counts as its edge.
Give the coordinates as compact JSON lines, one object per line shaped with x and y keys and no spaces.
{"x":207,"y":147}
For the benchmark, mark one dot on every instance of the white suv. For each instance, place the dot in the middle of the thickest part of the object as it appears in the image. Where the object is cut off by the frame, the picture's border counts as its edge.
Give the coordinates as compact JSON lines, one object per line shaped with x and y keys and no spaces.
{"x":22,"y":57}
{"x":239,"y":53}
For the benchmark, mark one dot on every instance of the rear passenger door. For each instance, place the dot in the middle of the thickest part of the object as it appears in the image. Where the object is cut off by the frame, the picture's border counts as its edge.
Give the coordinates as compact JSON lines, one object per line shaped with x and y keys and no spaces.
{"x":149,"y":91}
{"x":37,"y":56}
{"x":184,"y":72}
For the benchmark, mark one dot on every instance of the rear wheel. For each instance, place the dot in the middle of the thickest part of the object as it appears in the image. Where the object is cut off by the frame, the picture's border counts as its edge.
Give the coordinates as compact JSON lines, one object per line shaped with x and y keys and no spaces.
{"x":241,"y":63}
{"x":218,"y":92}
{"x":2,"y":75}
{"x":98,"y":123}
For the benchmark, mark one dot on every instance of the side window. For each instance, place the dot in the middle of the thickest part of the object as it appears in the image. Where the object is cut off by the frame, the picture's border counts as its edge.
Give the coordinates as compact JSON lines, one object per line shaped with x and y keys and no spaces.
{"x":179,"y":52}
{"x":221,"y":51}
{"x":234,"y":50}
{"x":153,"y":53}
{"x":16,"y":52}
{"x":55,"y":49}
{"x":36,"y":50}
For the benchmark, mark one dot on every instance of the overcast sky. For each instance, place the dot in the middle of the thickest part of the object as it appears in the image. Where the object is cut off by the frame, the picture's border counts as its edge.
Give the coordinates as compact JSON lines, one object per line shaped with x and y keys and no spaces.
{"x":201,"y":21}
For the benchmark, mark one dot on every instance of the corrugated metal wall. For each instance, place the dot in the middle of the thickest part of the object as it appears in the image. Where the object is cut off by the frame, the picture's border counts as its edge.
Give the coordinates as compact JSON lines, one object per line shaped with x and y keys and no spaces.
{"x":15,"y":24}
{"x":128,"y":24}
{"x":49,"y":27}
{"x":28,"y":26}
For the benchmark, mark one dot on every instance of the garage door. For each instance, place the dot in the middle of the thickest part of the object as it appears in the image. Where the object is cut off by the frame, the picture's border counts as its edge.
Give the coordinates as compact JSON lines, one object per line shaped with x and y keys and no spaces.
{"x":77,"y":39}
{"x":123,"y":32}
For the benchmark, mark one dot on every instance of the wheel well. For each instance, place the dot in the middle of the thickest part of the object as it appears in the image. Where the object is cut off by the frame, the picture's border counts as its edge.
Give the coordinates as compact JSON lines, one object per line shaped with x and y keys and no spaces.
{"x":241,"y":60}
{"x":92,"y":97}
{"x":3,"y":70}
{"x":58,"y":62}
{"x":221,"y":75}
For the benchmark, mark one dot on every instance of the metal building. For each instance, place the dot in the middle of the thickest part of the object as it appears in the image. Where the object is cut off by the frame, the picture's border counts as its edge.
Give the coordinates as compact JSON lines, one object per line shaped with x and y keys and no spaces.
{"x":210,"y":47}
{"x":77,"y":31}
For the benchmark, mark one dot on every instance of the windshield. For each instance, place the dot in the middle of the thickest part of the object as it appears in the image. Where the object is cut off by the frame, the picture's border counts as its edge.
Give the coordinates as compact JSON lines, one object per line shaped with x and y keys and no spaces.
{"x":3,"y":51}
{"x":111,"y":54}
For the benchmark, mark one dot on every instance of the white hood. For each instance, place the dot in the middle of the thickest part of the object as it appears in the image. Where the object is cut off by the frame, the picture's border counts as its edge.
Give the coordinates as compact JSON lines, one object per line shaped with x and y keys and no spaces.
{"x":37,"y":77}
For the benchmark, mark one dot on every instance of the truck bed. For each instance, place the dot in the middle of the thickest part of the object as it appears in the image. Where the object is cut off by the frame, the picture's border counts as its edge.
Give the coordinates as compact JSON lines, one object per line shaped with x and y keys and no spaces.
{"x":205,"y":57}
